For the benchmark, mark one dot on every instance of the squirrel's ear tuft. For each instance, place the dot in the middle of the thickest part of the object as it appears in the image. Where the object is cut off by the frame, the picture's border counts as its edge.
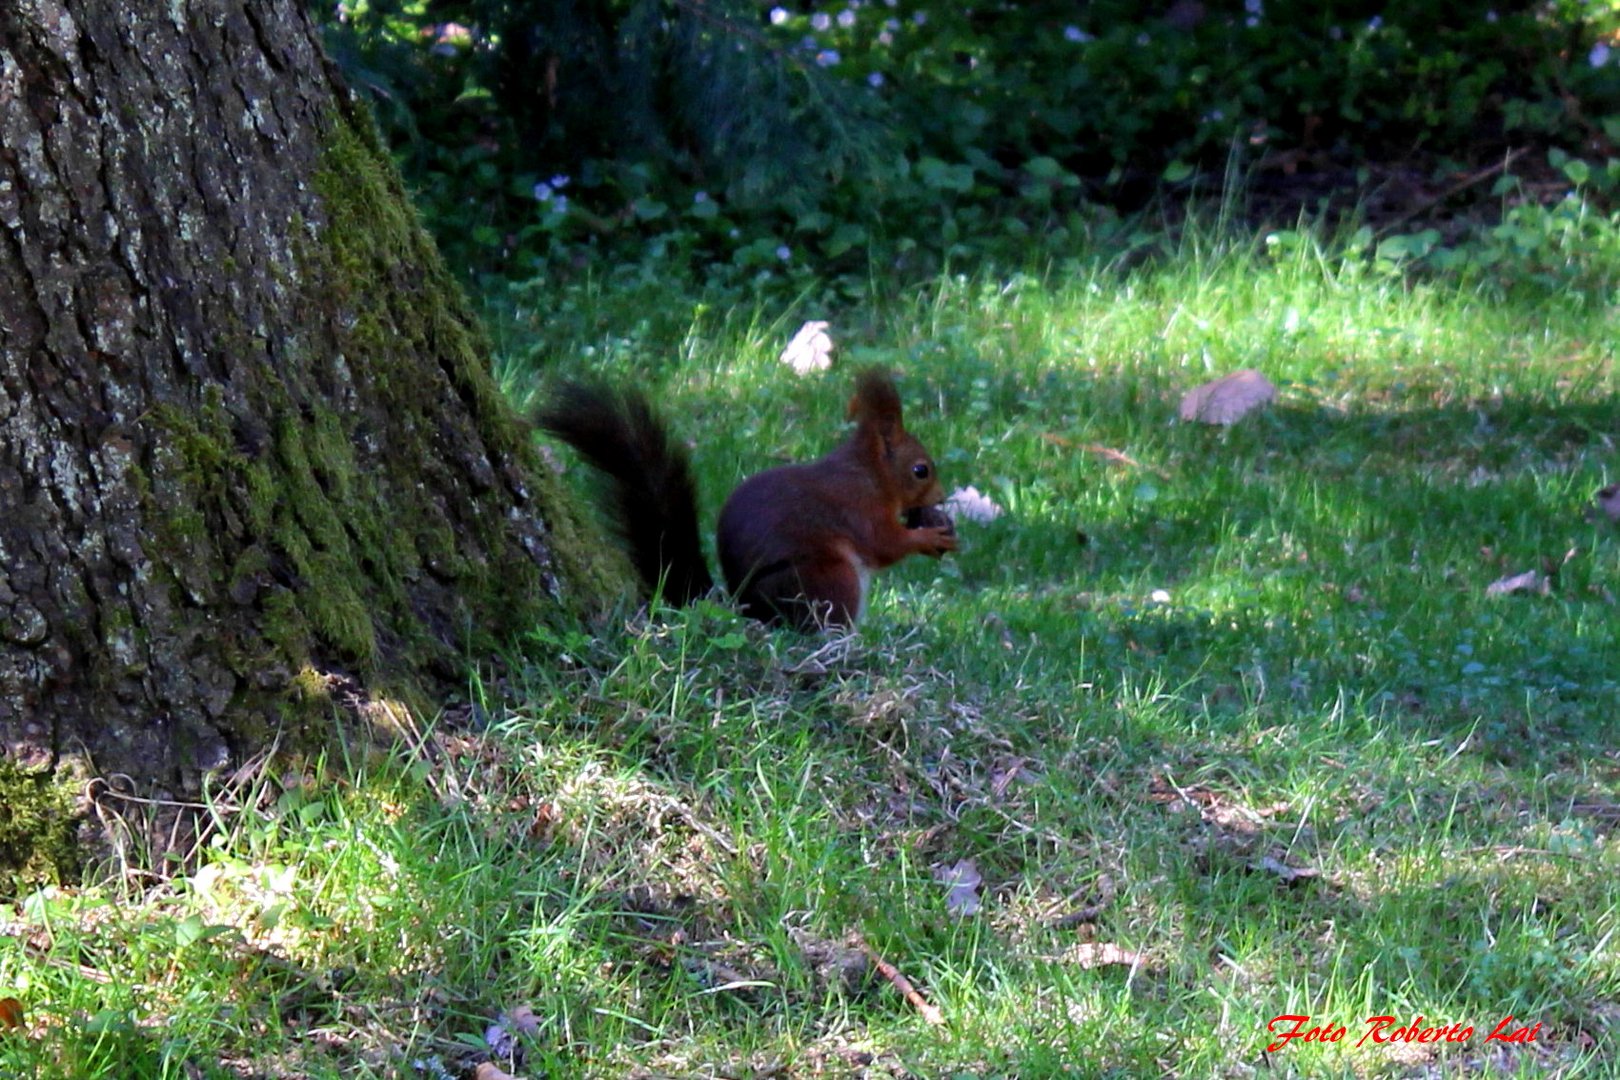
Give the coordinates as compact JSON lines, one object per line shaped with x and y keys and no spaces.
{"x":876,"y":401}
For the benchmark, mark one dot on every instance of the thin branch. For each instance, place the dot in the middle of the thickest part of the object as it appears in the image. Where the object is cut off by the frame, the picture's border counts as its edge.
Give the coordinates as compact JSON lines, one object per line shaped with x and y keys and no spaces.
{"x":1471,"y":180}
{"x":902,"y":984}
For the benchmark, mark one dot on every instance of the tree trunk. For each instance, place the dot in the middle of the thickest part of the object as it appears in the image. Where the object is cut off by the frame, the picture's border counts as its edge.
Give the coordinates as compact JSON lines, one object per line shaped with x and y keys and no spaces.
{"x":250,"y":443}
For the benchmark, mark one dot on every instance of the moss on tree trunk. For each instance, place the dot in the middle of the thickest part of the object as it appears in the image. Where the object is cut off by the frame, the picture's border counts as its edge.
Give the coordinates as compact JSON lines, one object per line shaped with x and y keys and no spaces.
{"x":250,"y":435}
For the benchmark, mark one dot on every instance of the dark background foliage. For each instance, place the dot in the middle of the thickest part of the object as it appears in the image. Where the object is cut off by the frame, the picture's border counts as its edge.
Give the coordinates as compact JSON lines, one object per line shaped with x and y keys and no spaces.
{"x":746,"y":138}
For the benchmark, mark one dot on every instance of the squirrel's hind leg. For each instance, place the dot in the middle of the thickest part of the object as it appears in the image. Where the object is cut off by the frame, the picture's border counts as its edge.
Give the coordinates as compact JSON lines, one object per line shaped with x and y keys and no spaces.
{"x":809,"y":595}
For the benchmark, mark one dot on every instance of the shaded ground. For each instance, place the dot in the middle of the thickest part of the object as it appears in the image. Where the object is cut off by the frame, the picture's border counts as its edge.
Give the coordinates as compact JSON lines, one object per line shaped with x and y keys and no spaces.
{"x":1392,"y":197}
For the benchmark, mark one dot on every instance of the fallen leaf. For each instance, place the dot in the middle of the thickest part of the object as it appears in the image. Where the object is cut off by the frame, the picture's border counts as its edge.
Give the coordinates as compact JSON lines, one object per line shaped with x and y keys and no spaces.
{"x":1094,"y":954}
{"x":970,"y":504}
{"x":486,"y":1071}
{"x":546,"y":817}
{"x":1288,"y":875}
{"x":502,"y":1036}
{"x":810,"y":350}
{"x":1531,"y":581}
{"x":1608,"y":501}
{"x":963,"y":879}
{"x":1002,"y":777}
{"x":524,"y":1021}
{"x":1228,"y":399}
{"x":11,"y":1013}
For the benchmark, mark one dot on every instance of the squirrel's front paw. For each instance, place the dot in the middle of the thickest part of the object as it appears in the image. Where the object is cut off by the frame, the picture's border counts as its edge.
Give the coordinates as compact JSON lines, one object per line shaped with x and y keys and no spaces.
{"x":936,"y":532}
{"x":936,"y":540}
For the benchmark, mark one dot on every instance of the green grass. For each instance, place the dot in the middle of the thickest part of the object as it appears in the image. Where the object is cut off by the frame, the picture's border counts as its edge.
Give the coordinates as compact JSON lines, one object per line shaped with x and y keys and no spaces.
{"x":1274,"y":649}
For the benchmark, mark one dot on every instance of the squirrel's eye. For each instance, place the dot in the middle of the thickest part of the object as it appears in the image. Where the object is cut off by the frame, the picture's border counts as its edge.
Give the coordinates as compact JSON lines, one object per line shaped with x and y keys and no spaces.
{"x":920,"y":470}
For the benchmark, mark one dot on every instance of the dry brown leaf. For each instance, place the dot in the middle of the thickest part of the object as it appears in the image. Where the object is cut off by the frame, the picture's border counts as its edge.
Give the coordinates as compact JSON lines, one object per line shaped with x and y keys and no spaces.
{"x":503,"y":1035}
{"x":1228,"y":399}
{"x":1531,"y":581}
{"x":11,"y":1014}
{"x":524,"y":1021}
{"x":1094,"y":954}
{"x":964,"y":881}
{"x":1288,"y":875}
{"x":486,"y":1071}
{"x":546,"y":818}
{"x":1002,"y":776}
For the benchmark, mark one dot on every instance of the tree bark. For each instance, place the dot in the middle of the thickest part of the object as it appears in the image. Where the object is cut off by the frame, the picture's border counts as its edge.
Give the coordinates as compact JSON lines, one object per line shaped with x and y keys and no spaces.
{"x":250,"y":440}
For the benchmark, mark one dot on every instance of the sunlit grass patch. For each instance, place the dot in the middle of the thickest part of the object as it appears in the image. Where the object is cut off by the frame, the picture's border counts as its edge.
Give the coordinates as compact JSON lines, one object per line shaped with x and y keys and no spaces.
{"x":1227,"y":723}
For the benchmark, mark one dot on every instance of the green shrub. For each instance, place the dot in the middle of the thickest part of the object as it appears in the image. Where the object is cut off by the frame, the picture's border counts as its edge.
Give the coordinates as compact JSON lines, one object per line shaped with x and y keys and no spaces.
{"x":747,"y":143}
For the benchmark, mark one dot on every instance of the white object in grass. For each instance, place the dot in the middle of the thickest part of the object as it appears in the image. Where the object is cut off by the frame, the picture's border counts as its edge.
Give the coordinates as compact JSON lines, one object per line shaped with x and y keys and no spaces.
{"x":811,"y":348}
{"x":970,"y":504}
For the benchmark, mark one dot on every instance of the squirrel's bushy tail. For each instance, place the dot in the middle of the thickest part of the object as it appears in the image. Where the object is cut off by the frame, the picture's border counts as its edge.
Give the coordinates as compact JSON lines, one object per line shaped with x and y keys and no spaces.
{"x":651,"y":499}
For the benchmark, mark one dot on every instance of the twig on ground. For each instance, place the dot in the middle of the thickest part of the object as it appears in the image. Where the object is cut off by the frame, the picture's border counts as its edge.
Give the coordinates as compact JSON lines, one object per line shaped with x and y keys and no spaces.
{"x":901,"y":983}
{"x":1108,"y":452}
{"x":1458,"y":188}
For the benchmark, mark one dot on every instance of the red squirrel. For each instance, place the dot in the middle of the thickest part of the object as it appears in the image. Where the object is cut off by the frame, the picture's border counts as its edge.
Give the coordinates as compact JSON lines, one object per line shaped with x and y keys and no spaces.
{"x":797,"y":543}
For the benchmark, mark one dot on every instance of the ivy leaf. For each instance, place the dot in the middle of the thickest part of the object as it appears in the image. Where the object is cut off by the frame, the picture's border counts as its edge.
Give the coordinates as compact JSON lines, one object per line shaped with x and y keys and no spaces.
{"x":1177,"y":172}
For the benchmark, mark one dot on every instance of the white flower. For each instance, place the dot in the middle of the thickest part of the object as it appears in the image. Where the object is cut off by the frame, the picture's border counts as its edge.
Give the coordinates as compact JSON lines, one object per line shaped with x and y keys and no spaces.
{"x":885,"y":38}
{"x":1599,"y":55}
{"x":846,"y":18}
{"x":919,"y":17}
{"x":784,"y":253}
{"x":891,"y":24}
{"x":1075,"y":34}
{"x":820,"y":21}
{"x":1251,"y":21}
{"x":1490,"y":16}
{"x":1375,"y":22}
{"x":559,"y":181}
{"x":543,"y":192}
{"x":875,"y":79}
{"x":700,"y":197}
{"x":778,"y":16}
{"x":827,"y":58}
